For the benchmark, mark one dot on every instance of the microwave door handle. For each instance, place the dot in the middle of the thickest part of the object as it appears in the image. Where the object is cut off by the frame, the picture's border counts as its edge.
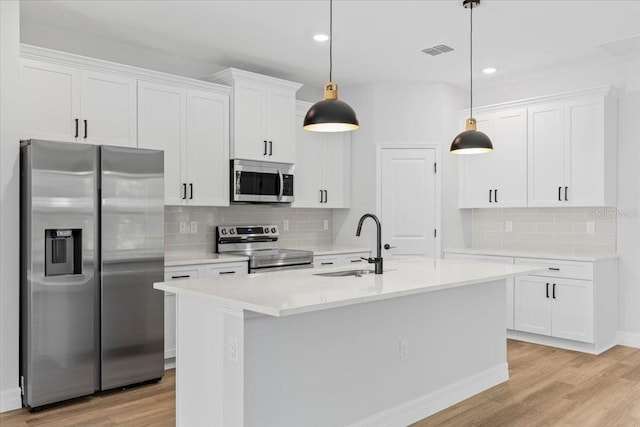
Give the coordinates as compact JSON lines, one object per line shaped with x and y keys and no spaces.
{"x":281,"y":185}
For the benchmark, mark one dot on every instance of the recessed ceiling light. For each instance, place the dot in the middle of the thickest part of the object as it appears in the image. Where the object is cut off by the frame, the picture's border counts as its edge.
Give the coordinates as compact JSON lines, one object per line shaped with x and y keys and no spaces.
{"x":321,"y":37}
{"x":489,"y":70}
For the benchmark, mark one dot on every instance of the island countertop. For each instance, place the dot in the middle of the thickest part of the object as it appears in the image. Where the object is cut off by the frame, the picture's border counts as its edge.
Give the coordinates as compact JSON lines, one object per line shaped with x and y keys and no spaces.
{"x":300,"y":291}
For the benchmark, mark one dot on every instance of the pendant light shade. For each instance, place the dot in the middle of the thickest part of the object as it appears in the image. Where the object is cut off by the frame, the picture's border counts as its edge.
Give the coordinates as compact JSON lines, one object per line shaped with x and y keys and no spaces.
{"x":330,"y":114}
{"x":471,"y":141}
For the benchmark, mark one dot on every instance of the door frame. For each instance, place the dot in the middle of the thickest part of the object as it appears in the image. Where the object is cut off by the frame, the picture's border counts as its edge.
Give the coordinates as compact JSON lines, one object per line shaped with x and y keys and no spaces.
{"x":438,"y":184}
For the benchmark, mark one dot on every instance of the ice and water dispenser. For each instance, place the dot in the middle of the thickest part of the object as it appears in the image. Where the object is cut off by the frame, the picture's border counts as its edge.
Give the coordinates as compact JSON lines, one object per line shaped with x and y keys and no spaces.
{"x":63,"y":251}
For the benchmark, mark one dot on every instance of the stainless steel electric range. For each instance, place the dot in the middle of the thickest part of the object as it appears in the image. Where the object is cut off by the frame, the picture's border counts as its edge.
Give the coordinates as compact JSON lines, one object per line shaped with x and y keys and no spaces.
{"x":260,"y":244}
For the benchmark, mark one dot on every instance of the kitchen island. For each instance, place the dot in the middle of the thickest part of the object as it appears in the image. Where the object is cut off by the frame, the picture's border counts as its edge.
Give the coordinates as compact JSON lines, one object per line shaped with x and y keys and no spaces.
{"x":297,"y":348}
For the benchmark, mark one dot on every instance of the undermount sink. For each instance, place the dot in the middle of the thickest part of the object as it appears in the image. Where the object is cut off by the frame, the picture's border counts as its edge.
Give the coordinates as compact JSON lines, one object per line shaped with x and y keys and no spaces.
{"x":343,"y":273}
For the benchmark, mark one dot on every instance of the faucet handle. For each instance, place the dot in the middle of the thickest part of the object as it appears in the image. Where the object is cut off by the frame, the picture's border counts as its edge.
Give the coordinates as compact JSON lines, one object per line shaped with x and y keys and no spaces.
{"x":369,"y":260}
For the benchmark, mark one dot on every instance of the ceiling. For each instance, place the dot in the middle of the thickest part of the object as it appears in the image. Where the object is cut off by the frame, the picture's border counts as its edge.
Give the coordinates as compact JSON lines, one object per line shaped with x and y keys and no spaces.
{"x":374,"y":41}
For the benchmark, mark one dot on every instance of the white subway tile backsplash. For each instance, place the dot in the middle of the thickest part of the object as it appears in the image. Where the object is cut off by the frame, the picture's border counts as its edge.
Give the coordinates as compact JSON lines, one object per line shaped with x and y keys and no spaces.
{"x":554,"y":230}
{"x":306,"y":226}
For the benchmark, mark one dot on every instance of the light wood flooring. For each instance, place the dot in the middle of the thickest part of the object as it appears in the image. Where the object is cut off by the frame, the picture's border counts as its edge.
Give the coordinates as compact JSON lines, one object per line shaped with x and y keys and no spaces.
{"x":547,"y":387}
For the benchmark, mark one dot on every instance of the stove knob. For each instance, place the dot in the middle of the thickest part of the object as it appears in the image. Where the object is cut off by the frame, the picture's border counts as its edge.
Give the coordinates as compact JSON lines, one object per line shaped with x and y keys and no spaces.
{"x":266,"y":231}
{"x":223,"y":231}
{"x":232,"y":231}
{"x":273,"y":230}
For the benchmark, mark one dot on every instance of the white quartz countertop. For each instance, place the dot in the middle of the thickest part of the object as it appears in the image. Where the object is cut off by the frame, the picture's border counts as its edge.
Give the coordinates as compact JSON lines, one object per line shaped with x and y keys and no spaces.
{"x":200,"y":258}
{"x":300,"y":291}
{"x":532,"y":254}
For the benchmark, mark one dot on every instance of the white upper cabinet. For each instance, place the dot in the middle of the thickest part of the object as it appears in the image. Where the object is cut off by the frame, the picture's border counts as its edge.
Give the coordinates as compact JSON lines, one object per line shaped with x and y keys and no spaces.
{"x":499,"y":178}
{"x":192,"y":127}
{"x":572,"y":152}
{"x":322,"y":177}
{"x":262,"y":116}
{"x":551,"y":151}
{"x":67,"y":103}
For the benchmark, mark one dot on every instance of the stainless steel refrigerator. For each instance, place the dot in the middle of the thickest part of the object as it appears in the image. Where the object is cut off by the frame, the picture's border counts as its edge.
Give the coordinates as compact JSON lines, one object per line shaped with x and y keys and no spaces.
{"x":92,"y":245}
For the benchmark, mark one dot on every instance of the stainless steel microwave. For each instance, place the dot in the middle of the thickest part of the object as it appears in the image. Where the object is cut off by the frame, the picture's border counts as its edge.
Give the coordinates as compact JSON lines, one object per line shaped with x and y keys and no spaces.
{"x":261,"y":182}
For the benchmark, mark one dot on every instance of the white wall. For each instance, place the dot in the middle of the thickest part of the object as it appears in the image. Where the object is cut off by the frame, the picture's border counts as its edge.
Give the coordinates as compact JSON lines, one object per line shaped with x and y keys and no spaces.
{"x":622,"y":72}
{"x":9,"y":204}
{"x":401,"y":113}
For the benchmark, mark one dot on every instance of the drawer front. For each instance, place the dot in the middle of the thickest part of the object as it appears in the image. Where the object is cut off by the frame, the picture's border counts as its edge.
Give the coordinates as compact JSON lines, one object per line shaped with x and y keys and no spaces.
{"x":355,"y":259}
{"x":560,"y":268}
{"x":480,"y":258}
{"x":223,"y":270}
{"x":179,"y":273}
{"x":326,"y":261}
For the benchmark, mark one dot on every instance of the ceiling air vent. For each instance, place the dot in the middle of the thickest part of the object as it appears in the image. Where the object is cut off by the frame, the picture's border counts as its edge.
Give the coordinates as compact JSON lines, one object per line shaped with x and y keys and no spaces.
{"x":437,"y":50}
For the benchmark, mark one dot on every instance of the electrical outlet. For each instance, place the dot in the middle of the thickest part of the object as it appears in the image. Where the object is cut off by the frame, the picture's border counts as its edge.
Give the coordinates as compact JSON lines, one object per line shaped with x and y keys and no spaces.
{"x":508,"y":226}
{"x":183,"y":227}
{"x":233,"y":349}
{"x":285,"y":225}
{"x":326,"y":224}
{"x":404,"y":350}
{"x":591,"y":227}
{"x":194,"y":226}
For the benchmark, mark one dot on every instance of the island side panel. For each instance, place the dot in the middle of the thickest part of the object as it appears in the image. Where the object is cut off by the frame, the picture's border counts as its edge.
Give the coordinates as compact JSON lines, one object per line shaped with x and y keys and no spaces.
{"x":343,"y":366}
{"x":209,"y":374}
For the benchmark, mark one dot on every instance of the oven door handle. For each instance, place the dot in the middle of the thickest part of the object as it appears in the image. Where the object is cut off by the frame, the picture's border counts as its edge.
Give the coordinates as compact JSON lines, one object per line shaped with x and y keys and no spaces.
{"x":281,"y":185}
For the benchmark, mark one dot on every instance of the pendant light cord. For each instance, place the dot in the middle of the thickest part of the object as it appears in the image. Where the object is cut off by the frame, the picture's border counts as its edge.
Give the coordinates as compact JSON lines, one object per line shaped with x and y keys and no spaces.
{"x":330,"y":39}
{"x":471,"y":61}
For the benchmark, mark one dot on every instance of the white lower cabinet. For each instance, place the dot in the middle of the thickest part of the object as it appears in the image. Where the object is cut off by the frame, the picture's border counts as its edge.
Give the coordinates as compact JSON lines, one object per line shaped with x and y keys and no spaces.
{"x":551,"y":304}
{"x":186,"y":273}
{"x":496,"y":260}
{"x":337,"y":259}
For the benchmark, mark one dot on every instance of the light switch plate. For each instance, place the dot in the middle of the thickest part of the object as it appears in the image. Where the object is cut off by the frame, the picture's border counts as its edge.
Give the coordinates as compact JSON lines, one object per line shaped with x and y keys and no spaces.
{"x":326,"y":224}
{"x":194,"y":226}
{"x":183,"y":227}
{"x":285,"y":225}
{"x":591,"y":227}
{"x":508,"y":226}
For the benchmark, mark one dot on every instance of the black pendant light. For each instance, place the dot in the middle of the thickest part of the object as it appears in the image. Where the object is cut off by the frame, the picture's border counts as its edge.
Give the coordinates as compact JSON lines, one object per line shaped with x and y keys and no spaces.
{"x":471,"y":141}
{"x":330,"y":114}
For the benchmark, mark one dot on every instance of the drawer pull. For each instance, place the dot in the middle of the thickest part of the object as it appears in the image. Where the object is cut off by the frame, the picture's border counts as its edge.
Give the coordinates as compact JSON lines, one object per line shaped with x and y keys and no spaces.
{"x":227,"y":272}
{"x":356,"y":260}
{"x":326,"y":263}
{"x":186,"y":276}
{"x":554,"y":269}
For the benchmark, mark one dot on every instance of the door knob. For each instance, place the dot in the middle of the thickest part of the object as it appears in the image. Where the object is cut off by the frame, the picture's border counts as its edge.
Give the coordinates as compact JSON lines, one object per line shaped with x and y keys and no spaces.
{"x":387,"y":246}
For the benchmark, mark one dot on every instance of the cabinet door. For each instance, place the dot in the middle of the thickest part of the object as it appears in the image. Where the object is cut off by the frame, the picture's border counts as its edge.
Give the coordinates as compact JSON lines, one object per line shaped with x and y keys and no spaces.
{"x":50,"y":101}
{"x":572,"y":313}
{"x":532,"y":306}
{"x":281,"y":123}
{"x":207,"y":168}
{"x":337,"y":167}
{"x":478,"y":172}
{"x":585,"y":136}
{"x":226,"y":269}
{"x":249,"y":120}
{"x":510,"y":141}
{"x":548,"y":155}
{"x":162,"y":125}
{"x":173,"y":273}
{"x":108,"y":109}
{"x":307,"y":185}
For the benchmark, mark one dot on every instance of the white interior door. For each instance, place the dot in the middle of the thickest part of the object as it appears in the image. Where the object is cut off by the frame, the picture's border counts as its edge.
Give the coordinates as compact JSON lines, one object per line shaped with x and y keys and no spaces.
{"x":408,"y":204}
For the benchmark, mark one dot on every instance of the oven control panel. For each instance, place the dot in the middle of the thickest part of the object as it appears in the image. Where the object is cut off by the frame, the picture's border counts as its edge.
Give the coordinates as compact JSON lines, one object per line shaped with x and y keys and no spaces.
{"x":248,"y":231}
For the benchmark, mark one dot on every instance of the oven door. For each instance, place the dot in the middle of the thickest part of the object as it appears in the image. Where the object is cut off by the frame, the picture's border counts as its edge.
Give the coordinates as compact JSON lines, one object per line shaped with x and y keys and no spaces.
{"x":261,"y":182}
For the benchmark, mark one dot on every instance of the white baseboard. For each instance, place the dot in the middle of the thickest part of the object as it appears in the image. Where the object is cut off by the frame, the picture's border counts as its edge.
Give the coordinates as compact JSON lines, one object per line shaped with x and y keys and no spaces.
{"x":628,"y":339}
{"x":169,"y":363}
{"x":10,"y":400}
{"x":424,"y":406}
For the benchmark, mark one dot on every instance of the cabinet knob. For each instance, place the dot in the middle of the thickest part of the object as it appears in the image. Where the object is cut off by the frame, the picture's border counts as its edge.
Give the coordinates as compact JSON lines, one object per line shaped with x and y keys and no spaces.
{"x":387,"y":246}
